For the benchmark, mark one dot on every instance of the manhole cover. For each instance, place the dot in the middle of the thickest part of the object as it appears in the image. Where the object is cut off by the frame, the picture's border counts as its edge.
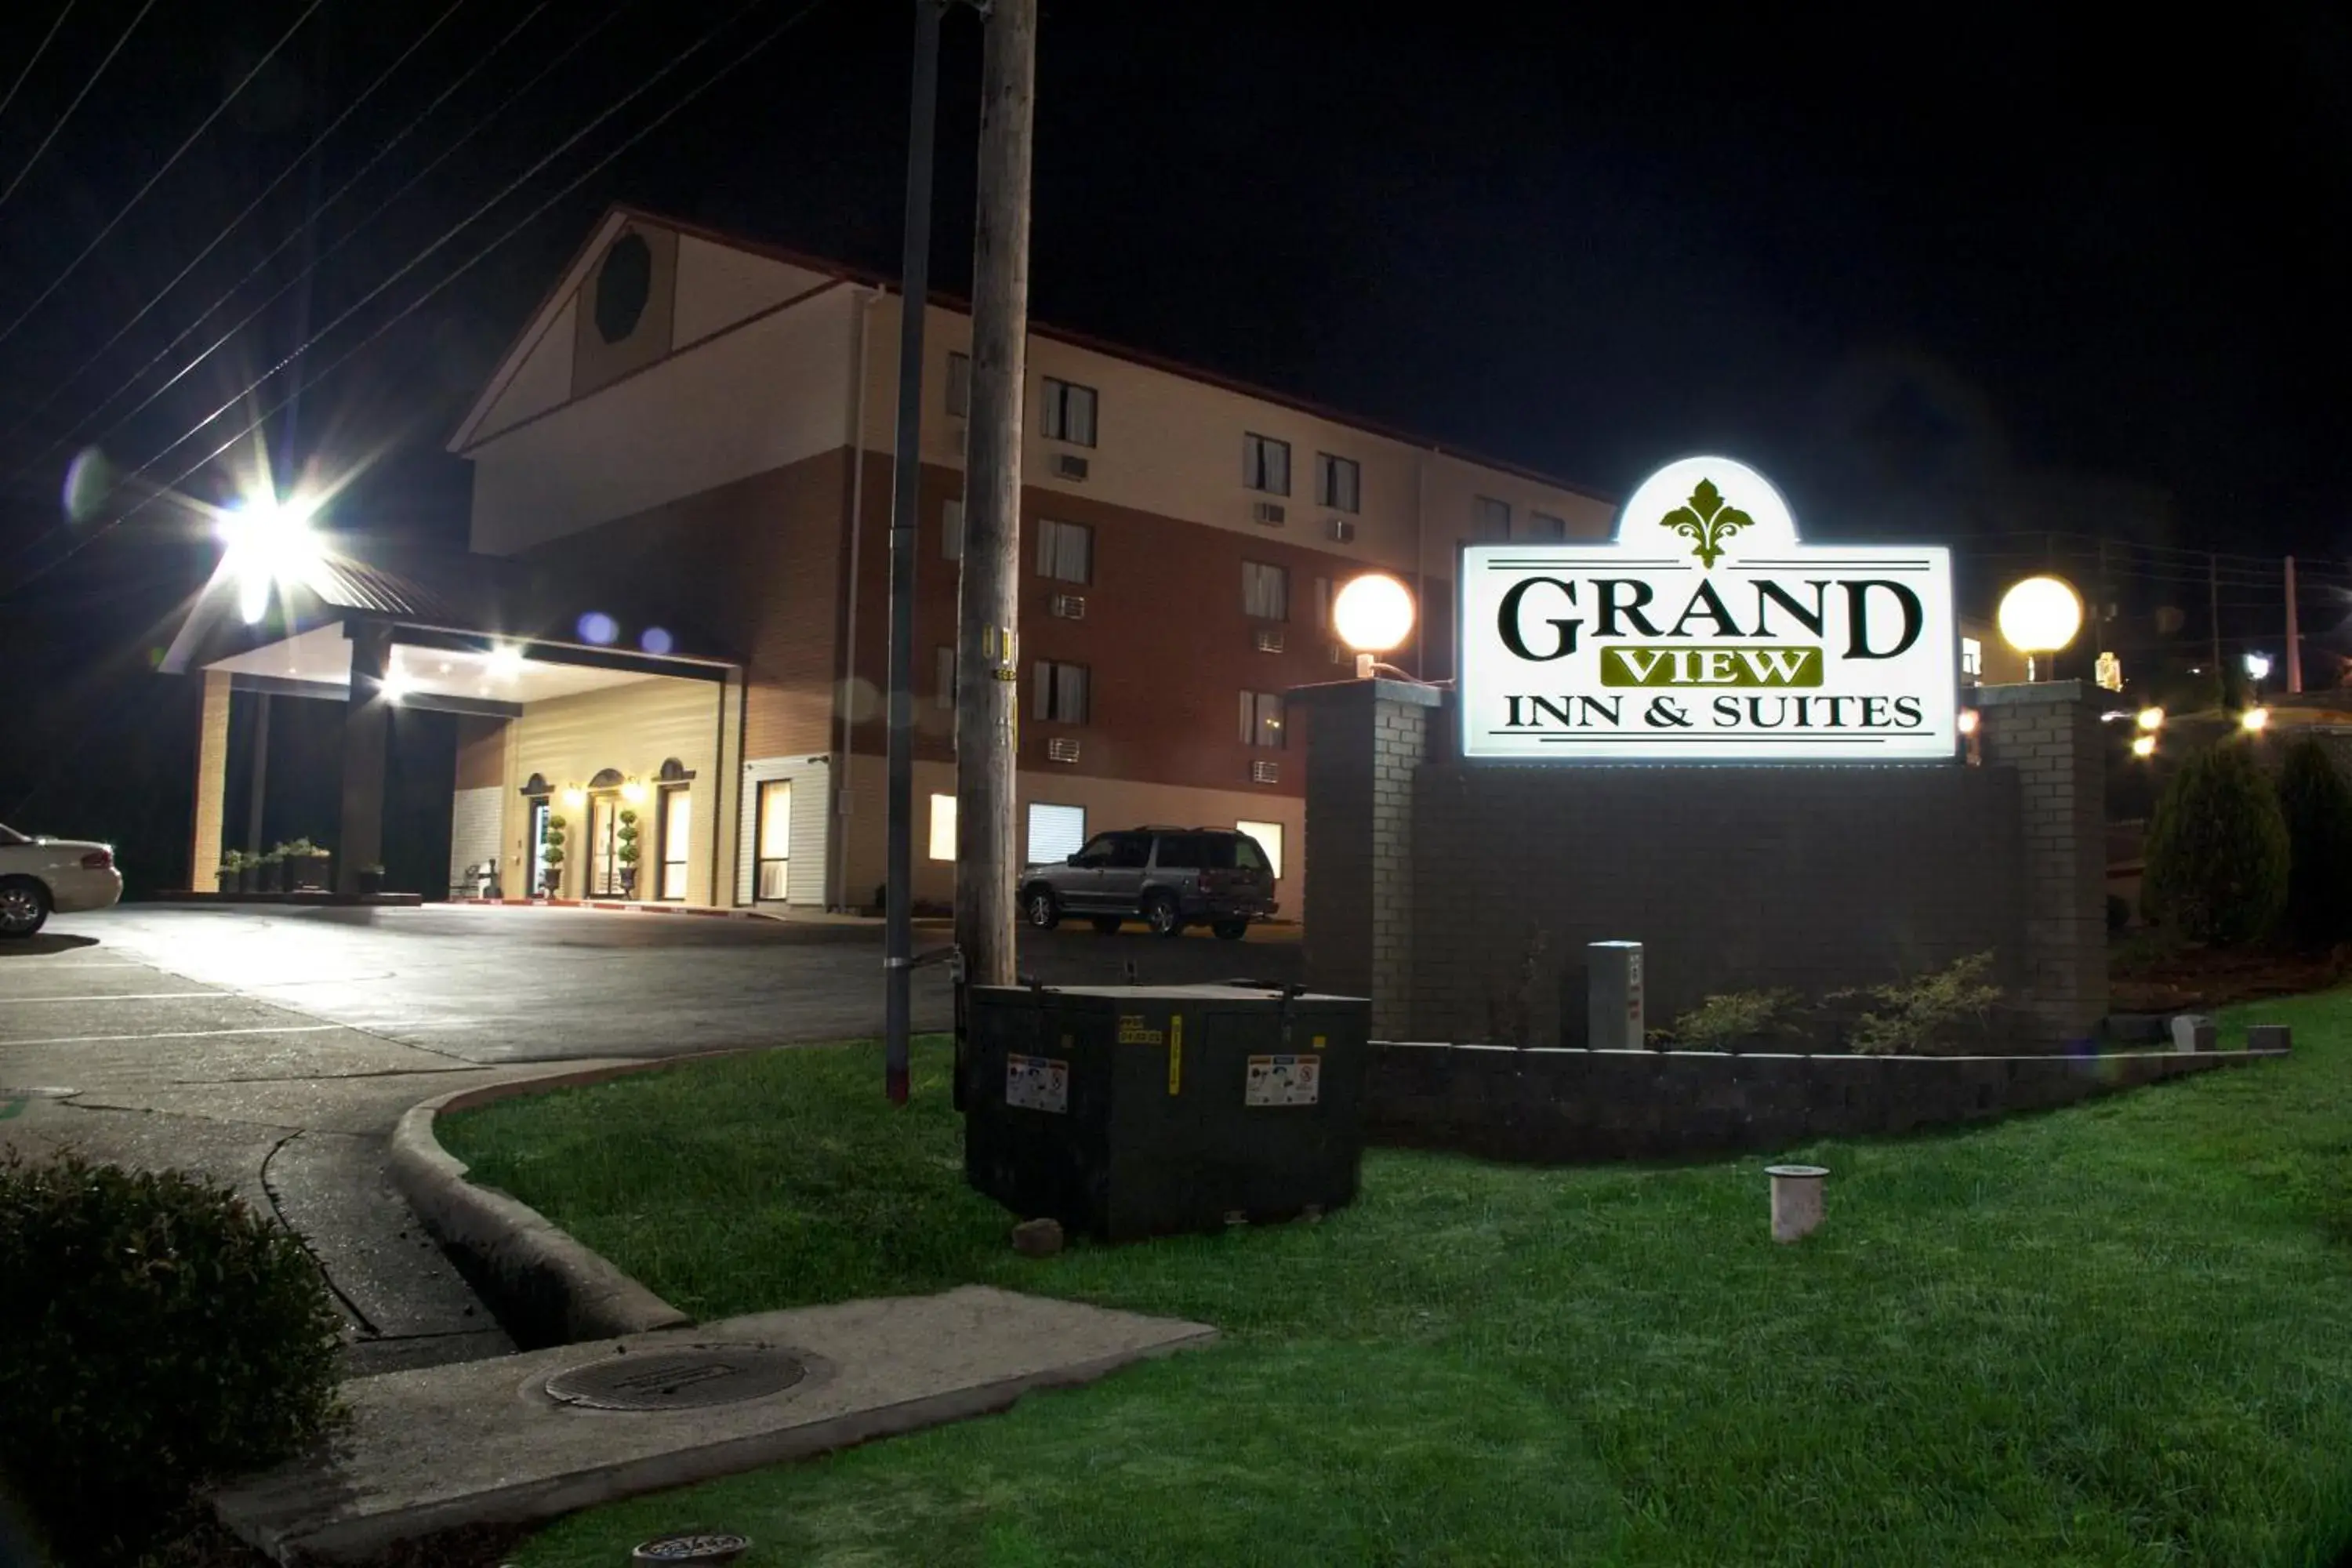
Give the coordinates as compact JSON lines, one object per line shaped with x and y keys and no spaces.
{"x":678,"y":1380}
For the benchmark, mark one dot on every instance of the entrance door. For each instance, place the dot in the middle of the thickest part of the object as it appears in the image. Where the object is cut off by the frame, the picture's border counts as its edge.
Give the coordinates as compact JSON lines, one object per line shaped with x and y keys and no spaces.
{"x":538,"y":850}
{"x":772,"y":880}
{"x":677,"y":835}
{"x":603,"y":860}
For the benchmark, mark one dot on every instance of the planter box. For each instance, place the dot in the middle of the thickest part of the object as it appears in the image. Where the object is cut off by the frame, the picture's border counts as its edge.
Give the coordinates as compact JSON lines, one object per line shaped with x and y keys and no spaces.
{"x":273,"y":876}
{"x":306,"y":872}
{"x":232,"y":881}
{"x":370,"y":883}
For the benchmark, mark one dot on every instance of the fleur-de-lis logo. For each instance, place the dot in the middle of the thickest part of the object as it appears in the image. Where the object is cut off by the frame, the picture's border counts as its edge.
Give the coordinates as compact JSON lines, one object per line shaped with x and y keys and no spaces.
{"x":1707,"y":522}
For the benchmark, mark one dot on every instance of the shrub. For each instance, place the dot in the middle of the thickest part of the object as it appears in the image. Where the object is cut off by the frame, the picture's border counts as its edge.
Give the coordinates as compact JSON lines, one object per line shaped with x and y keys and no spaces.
{"x":1725,"y":1022}
{"x":2316,"y":804}
{"x":2217,"y":851}
{"x":1910,"y":1015}
{"x":158,"y":1336}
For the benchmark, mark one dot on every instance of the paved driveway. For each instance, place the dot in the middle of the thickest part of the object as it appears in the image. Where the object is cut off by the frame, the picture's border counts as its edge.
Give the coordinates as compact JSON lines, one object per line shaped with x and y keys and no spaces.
{"x":511,"y":984}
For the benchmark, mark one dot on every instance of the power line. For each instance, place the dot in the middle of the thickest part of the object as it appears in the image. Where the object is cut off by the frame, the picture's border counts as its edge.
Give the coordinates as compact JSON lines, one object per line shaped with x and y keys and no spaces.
{"x":231,"y":226}
{"x":18,"y":85}
{"x":177,"y":154}
{"x":346,"y":188}
{"x":652,"y":125}
{"x":68,"y":114}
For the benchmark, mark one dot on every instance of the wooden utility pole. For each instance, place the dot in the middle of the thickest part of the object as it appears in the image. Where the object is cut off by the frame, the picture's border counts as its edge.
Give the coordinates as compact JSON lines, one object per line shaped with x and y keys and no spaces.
{"x":988,"y":607}
{"x":2294,"y":634}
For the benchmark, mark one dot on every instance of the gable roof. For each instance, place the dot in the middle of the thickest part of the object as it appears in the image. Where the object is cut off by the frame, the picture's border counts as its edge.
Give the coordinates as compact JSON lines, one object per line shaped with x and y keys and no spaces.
{"x":621,"y":213}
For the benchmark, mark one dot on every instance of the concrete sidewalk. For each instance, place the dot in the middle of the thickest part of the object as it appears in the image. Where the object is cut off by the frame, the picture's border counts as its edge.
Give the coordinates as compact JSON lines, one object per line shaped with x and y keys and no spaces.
{"x":486,"y":1441}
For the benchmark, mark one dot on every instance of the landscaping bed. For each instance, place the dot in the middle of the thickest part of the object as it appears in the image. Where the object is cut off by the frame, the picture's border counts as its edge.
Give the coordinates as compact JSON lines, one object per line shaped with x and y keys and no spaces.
{"x":2120,"y":1333}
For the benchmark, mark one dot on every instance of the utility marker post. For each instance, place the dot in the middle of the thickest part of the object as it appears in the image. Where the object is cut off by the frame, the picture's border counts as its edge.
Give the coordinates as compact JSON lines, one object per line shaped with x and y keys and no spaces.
{"x":988,"y":612}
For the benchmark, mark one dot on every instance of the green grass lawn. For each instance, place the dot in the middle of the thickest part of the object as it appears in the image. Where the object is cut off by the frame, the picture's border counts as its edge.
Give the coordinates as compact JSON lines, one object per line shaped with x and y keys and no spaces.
{"x":2120,"y":1333}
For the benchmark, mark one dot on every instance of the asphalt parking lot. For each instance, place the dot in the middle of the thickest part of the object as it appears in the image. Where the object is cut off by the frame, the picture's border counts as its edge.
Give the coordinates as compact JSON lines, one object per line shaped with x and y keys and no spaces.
{"x":489,"y":985}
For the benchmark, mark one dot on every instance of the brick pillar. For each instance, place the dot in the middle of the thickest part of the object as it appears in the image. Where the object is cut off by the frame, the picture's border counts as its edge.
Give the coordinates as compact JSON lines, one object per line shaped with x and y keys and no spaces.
{"x":367,"y":732}
{"x":212,"y":782}
{"x":1365,"y":740}
{"x":2048,"y":733}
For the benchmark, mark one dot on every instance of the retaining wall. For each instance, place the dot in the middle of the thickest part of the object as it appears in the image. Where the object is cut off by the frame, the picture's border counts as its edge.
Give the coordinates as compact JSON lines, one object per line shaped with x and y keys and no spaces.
{"x":1562,"y":1105}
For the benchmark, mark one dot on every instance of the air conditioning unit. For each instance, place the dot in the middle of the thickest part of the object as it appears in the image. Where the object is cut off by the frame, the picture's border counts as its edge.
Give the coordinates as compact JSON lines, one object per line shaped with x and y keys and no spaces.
{"x":1265,"y":772}
{"x":1062,"y":749}
{"x":1069,"y":465}
{"x":1343,"y":530}
{"x":1070,"y":606}
{"x":1269,"y":640}
{"x":1268,"y":512}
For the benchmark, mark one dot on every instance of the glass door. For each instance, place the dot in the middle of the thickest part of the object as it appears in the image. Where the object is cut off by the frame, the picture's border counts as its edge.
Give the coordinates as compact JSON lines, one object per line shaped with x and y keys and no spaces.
{"x":538,"y":850}
{"x":603,"y":863}
{"x":775,"y":840}
{"x":677,"y":835}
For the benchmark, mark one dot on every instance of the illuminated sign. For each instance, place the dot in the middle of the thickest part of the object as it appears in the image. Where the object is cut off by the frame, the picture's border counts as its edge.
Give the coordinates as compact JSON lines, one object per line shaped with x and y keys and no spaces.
{"x":1705,"y":631}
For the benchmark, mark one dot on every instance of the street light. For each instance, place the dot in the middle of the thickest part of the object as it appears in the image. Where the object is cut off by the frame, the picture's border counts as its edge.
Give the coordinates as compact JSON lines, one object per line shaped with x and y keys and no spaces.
{"x":2151,"y":719}
{"x":270,"y":544}
{"x":2258,"y":666}
{"x":2254,"y":719}
{"x":2144,"y":746}
{"x":1373,"y":615}
{"x":2040,"y":615}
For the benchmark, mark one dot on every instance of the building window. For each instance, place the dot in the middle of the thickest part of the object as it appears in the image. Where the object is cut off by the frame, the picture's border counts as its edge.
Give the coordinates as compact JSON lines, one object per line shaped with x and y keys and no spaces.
{"x":1056,"y":832}
{"x":1068,"y":414}
{"x":1490,"y":518}
{"x":774,"y":838}
{"x":1269,"y":838}
{"x":943,"y":668}
{"x":1065,"y":551}
{"x":1262,"y":719}
{"x":951,"y":530}
{"x":958,"y":384}
{"x":1266,"y":464}
{"x":1265,"y":591}
{"x":943,"y":828}
{"x":1322,"y":604}
{"x":1543,"y":525}
{"x":1058,"y":692}
{"x":1971,"y":661}
{"x":1337,"y":482}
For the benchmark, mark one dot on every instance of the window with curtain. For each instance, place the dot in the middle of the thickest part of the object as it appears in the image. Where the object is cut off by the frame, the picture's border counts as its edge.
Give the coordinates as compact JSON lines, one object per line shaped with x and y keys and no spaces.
{"x":1058,"y":692}
{"x":1489,"y":519}
{"x":1262,"y":719}
{"x":1065,"y":551}
{"x":1265,"y":591}
{"x":1068,"y":414}
{"x":943,"y":672}
{"x":958,"y":384}
{"x":951,"y":530}
{"x":1266,"y":464}
{"x":1337,"y":482}
{"x":775,"y":838}
{"x":1056,"y":832}
{"x":1543,"y":525}
{"x":942,"y":843}
{"x":1269,"y":839}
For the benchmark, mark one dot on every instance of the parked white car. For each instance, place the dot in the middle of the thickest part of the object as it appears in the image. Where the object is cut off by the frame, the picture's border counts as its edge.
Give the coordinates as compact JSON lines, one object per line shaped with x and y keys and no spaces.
{"x":42,"y":875}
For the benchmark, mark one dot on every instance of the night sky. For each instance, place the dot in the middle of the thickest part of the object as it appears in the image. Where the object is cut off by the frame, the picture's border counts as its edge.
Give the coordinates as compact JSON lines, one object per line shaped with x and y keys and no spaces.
{"x":1958,"y":275}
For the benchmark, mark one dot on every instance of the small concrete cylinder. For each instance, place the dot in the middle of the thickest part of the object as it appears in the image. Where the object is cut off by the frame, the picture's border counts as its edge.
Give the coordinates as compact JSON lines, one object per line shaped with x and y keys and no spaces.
{"x":1796,"y":1199}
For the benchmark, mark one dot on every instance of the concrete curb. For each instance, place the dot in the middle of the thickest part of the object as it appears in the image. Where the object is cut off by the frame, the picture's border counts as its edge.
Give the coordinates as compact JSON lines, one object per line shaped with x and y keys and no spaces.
{"x":544,"y":1285}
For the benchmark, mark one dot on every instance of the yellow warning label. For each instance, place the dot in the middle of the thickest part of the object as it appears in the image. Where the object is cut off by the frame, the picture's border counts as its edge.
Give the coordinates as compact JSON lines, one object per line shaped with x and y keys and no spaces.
{"x":1132,"y":1032}
{"x":1175,"y":1052}
{"x":1318,"y":1042}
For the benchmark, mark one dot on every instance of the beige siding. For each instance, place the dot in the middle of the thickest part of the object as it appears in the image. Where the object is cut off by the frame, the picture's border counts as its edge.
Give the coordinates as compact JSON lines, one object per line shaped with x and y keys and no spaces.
{"x":633,"y":727}
{"x":718,"y":285}
{"x":543,"y":380}
{"x":808,"y":883}
{"x":1109,"y":803}
{"x":744,"y":403}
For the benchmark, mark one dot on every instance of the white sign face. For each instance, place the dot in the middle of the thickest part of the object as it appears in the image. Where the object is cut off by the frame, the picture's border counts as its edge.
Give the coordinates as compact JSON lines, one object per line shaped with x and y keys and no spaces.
{"x":1706,"y":632}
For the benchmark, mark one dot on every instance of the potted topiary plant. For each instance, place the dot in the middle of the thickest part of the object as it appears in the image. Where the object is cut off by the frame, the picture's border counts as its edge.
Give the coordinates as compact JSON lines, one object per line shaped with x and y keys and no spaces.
{"x":273,"y":872}
{"x":306,"y":867}
{"x":627,"y":852}
{"x":371,"y":881}
{"x":232,"y":870}
{"x":552,"y":856}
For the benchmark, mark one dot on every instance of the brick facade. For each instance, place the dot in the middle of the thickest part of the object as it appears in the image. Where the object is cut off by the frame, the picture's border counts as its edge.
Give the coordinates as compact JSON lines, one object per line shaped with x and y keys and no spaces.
{"x":1460,"y":895}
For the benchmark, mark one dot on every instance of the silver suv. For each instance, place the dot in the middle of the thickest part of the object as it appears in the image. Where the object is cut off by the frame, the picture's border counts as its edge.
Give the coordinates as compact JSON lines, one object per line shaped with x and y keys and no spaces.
{"x":1168,"y":878}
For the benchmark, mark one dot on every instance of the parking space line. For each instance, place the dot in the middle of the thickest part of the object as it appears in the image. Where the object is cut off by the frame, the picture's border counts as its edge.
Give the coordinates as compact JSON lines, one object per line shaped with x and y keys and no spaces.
{"x":177,"y":1035}
{"x":128,"y":996}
